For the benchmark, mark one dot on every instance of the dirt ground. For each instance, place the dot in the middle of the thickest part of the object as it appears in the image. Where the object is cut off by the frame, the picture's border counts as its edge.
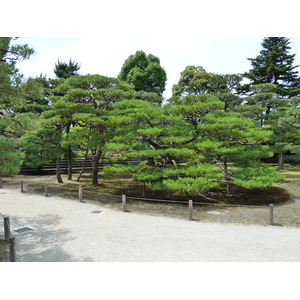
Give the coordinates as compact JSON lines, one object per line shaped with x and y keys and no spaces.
{"x":286,"y":199}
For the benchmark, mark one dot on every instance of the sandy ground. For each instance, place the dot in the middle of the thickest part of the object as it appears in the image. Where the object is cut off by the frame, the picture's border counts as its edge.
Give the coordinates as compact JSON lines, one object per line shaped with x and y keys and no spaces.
{"x":70,"y":231}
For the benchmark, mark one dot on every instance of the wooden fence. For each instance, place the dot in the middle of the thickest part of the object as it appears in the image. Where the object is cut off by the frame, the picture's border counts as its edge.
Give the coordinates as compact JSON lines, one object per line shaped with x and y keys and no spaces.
{"x":77,"y":165}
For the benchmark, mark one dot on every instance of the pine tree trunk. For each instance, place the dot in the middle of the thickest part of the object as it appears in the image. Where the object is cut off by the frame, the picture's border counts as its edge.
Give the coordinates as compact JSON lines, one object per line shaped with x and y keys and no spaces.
{"x":83,"y":166}
{"x":85,"y":156}
{"x":69,"y":158}
{"x":96,"y":160}
{"x":97,"y":157}
{"x":227,"y":188}
{"x":58,"y":158}
{"x":280,"y":161}
{"x":69,"y":154}
{"x":58,"y":175}
{"x":144,"y":189}
{"x":227,"y":177}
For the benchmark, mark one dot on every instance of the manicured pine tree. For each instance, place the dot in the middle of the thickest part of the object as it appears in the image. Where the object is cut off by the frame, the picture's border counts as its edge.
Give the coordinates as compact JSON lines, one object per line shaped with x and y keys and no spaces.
{"x":164,"y":139}
{"x":236,"y":144}
{"x":187,"y":139}
{"x":97,"y":93}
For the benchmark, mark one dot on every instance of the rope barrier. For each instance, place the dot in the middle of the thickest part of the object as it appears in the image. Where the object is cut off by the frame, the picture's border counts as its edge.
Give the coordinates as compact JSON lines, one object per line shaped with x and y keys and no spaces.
{"x":194,"y":202}
{"x":152,"y":199}
{"x":86,"y":190}
{"x":160,"y":200}
{"x":60,"y":189}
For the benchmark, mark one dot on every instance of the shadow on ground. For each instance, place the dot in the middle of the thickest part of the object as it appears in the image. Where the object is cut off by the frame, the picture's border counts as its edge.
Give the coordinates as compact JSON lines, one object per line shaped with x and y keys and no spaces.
{"x":44,"y":243}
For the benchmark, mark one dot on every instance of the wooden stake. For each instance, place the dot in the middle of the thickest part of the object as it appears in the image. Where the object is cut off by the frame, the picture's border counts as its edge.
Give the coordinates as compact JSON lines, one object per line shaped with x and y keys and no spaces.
{"x":124,"y":202}
{"x":271,"y":215}
{"x":6,"y":229}
{"x":190,"y":210}
{"x":80,"y":194}
{"x":0,"y":183}
{"x":22,"y":186}
{"x":12,"y":249}
{"x":46,"y":189}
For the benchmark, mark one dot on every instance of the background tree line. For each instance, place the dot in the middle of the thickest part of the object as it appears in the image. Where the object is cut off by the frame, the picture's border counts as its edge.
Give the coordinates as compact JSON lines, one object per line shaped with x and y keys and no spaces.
{"x":215,"y":128}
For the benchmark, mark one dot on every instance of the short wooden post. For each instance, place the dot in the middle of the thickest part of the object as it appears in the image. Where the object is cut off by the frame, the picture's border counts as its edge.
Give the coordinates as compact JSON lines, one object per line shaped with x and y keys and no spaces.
{"x":22,"y":186}
{"x":80,"y":194}
{"x":124,"y":202}
{"x":190,"y":210}
{"x":271,"y":215}
{"x":6,"y":229}
{"x":0,"y":183}
{"x":46,"y":189}
{"x":12,"y":249}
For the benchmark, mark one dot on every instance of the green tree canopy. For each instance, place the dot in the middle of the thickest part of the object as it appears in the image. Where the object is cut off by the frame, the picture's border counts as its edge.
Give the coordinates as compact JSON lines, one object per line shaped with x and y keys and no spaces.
{"x":144,"y":72}
{"x":196,"y":80}
{"x":66,"y":70}
{"x":274,"y":65}
{"x":10,"y":79}
{"x":191,"y":144}
{"x":10,"y":157}
{"x":85,"y":101}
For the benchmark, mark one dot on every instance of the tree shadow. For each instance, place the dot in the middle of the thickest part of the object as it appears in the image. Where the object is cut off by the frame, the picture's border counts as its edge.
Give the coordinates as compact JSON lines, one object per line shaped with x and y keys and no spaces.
{"x":44,"y":243}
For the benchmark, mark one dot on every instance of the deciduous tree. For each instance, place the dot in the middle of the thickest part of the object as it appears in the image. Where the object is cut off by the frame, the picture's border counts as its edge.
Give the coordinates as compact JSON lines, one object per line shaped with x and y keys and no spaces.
{"x":144,"y":72}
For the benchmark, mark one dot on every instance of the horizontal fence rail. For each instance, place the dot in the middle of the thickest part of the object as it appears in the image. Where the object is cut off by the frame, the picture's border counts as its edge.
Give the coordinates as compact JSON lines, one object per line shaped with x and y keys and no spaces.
{"x":77,"y":165}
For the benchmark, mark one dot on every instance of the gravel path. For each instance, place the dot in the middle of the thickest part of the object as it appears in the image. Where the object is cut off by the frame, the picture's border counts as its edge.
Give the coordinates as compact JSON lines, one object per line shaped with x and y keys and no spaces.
{"x":70,"y":231}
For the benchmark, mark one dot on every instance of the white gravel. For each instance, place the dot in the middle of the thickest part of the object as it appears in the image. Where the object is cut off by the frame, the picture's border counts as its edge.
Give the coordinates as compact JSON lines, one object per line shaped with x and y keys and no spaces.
{"x":68,"y":231}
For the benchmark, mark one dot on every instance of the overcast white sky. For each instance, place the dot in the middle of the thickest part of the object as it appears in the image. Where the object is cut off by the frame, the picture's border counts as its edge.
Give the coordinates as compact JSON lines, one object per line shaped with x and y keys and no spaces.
{"x":217,"y":35}
{"x":222,"y":55}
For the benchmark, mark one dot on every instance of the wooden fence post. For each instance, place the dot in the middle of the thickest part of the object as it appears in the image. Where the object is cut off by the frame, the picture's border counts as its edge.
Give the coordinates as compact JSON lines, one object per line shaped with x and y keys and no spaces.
{"x":80,"y":194}
{"x":0,"y":183}
{"x":12,"y":249}
{"x":190,"y":210}
{"x":6,"y":229}
{"x":271,"y":215}
{"x":46,"y":189}
{"x":22,"y":186}
{"x":124,"y":202}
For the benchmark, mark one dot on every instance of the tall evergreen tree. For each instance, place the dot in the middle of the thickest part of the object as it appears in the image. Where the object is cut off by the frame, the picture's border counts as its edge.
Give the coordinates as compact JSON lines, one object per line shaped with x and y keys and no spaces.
{"x":274,"y":65}
{"x":66,"y":70}
{"x":63,"y":71}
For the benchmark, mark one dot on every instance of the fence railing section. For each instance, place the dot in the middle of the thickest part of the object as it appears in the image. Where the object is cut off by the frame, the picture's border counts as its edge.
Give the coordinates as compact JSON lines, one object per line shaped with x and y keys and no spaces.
{"x":78,"y":164}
